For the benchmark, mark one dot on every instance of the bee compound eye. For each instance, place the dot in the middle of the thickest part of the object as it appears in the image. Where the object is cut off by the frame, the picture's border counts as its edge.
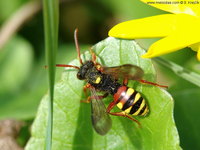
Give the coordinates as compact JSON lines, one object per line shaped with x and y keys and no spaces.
{"x":80,"y":76}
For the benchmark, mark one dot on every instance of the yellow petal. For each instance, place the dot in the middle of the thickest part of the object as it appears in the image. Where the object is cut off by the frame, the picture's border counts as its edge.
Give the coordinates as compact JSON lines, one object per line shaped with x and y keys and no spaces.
{"x":179,"y":30}
{"x":157,"y":26}
{"x":195,"y":47}
{"x":163,"y":46}
{"x":191,"y":7}
{"x":149,"y":27}
{"x":170,"y":44}
{"x":198,"y":54}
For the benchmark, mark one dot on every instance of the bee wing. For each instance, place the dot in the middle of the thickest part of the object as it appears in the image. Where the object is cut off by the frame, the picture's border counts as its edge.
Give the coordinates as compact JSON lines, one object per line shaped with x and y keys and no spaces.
{"x":126,"y":71}
{"x":101,"y":120}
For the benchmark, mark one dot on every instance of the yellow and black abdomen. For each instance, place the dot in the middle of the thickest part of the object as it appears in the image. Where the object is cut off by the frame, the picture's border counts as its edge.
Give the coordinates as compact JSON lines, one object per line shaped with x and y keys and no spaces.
{"x":130,"y":101}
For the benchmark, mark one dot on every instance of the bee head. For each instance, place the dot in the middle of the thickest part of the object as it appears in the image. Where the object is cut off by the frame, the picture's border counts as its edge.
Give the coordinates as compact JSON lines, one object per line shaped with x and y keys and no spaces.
{"x":81,"y":75}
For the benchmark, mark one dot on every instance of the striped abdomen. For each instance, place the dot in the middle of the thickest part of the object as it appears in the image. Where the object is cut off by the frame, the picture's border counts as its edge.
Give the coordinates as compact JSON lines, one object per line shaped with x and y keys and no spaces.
{"x":130,"y":101}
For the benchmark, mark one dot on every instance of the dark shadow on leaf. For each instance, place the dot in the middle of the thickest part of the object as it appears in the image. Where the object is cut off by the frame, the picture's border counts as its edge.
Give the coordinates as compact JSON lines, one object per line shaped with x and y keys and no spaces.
{"x":83,"y":138}
{"x":130,"y":128}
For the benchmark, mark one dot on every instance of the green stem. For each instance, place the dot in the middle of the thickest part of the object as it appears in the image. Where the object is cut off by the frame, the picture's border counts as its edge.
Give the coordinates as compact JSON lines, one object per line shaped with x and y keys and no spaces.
{"x":180,"y":71}
{"x":51,"y":40}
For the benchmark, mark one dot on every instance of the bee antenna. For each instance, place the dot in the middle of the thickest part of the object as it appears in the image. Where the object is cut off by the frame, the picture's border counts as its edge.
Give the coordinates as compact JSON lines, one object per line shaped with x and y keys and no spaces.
{"x":77,"y":45}
{"x":63,"y":65}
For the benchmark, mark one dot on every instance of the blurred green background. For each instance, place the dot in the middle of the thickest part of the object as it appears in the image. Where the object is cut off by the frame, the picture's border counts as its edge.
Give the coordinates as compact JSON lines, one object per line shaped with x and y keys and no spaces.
{"x":23,"y":79}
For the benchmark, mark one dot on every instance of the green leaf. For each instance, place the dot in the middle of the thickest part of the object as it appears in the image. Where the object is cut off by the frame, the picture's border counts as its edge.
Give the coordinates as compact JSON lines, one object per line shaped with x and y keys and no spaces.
{"x":23,"y":103}
{"x":72,"y":122}
{"x":15,"y":62}
{"x":187,"y":100}
{"x":187,"y":112}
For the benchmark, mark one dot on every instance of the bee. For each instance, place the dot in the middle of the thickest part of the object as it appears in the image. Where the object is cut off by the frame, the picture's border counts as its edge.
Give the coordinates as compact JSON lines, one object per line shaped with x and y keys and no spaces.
{"x":106,"y":79}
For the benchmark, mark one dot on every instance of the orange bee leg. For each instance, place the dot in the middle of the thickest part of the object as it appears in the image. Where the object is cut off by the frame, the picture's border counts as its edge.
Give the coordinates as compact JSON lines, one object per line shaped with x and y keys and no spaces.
{"x":98,"y":97}
{"x":99,"y":67}
{"x":152,"y":83}
{"x":125,"y":81}
{"x":87,"y":100}
{"x":122,"y":114}
{"x":85,"y":92}
{"x":85,"y":88}
{"x":94,"y":58}
{"x":110,"y":106}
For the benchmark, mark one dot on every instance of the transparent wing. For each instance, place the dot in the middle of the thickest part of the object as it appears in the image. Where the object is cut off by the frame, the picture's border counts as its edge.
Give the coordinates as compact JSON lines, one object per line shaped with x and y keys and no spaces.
{"x":127,"y":71}
{"x":101,"y":120}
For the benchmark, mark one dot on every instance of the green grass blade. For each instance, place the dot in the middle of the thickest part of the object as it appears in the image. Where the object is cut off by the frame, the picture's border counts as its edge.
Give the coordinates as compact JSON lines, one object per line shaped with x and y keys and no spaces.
{"x":186,"y":74}
{"x":51,"y":35}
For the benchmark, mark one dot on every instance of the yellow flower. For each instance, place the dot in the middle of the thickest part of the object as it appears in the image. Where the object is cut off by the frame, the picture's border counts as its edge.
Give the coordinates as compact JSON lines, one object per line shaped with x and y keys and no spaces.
{"x":179,"y":30}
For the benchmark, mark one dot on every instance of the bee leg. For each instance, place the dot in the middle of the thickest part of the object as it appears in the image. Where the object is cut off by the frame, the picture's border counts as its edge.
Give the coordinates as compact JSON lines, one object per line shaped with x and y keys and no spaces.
{"x":122,"y":114}
{"x":85,"y":92}
{"x":87,"y":100}
{"x":152,"y":83}
{"x":93,"y":56}
{"x":125,"y":81}
{"x":98,"y":97}
{"x":85,"y":88}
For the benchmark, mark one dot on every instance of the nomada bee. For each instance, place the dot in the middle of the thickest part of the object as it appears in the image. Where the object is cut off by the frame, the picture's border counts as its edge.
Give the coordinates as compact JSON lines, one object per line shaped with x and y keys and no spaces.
{"x":105,"y":79}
